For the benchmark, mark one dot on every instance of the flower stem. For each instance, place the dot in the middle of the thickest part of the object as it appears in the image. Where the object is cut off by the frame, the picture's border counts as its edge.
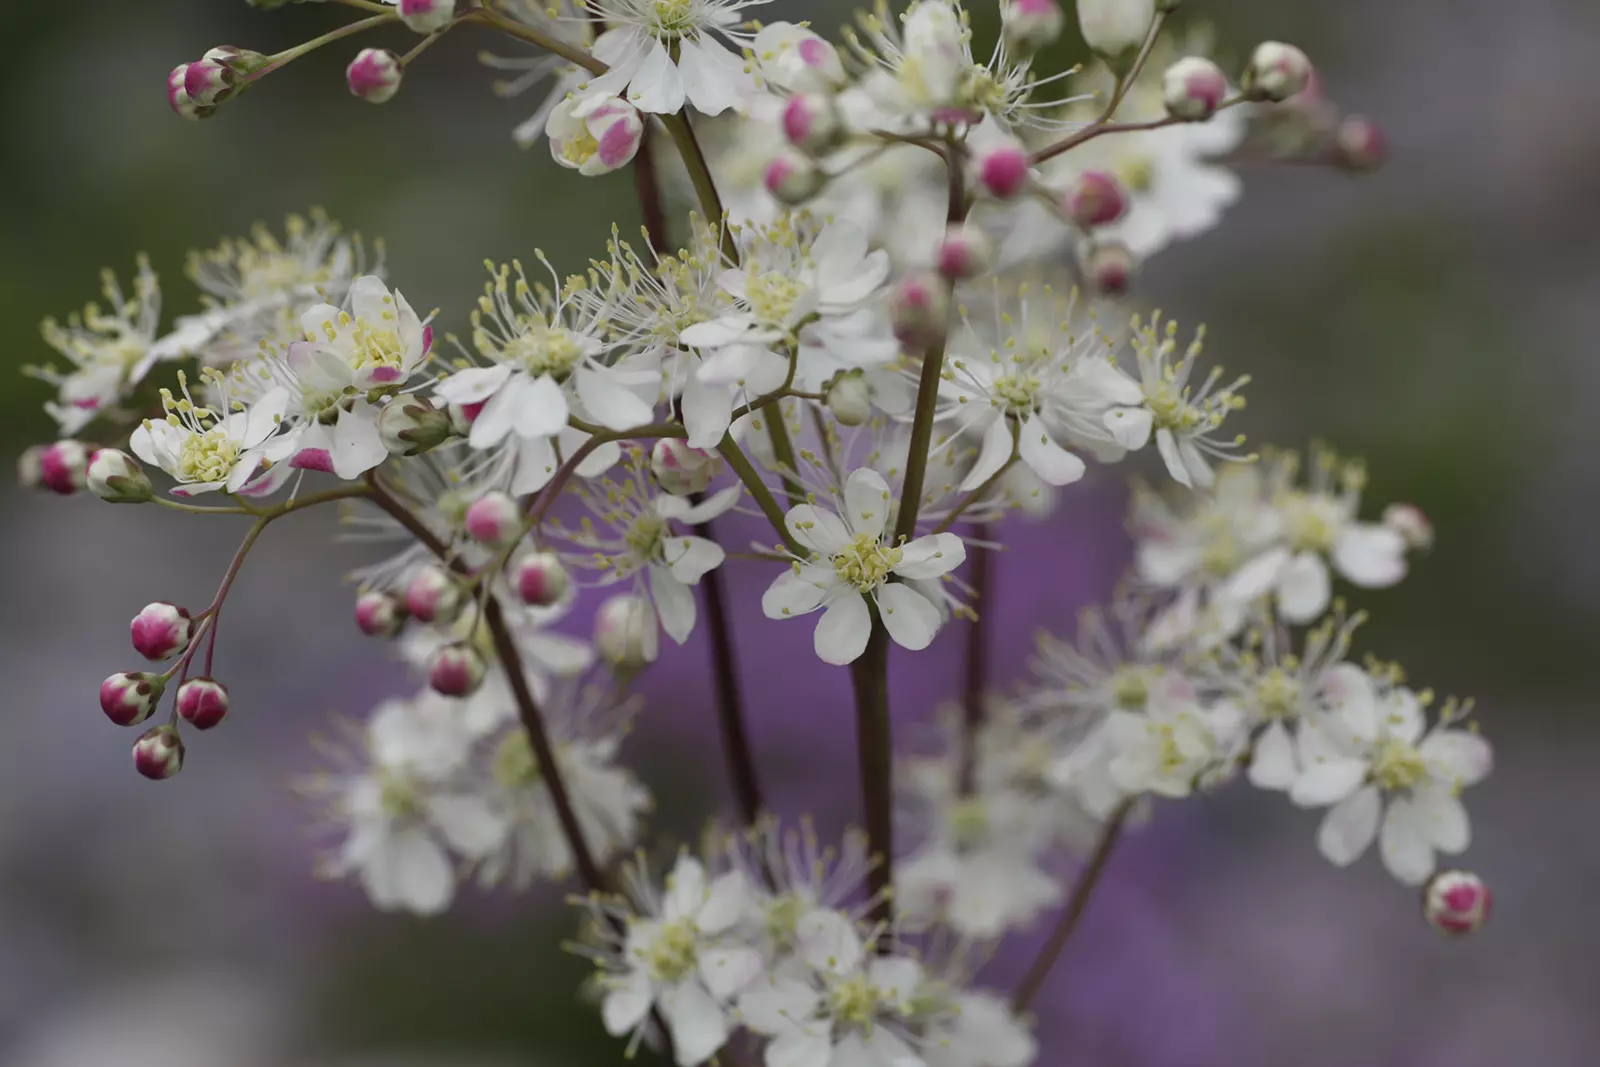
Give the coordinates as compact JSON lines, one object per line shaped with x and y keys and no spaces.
{"x":736,"y":748}
{"x":511,"y":28}
{"x":764,"y":499}
{"x":283,"y":59}
{"x":870,"y":677}
{"x":705,"y":187}
{"x":649,"y":189}
{"x":977,"y":667}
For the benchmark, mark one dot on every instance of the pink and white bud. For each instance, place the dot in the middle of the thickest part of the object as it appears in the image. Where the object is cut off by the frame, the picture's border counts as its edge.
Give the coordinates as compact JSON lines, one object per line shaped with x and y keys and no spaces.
{"x":1411,"y":524}
{"x":131,"y":697}
{"x":849,"y":398}
{"x":374,"y":75}
{"x":1002,"y":170}
{"x":811,"y":123}
{"x":793,"y":179}
{"x":1095,"y":198}
{"x":919,"y":310}
{"x":1109,"y":267}
{"x":680,"y":469}
{"x":541,"y":579}
{"x":966,"y":252}
{"x":595,"y":137}
{"x":178,"y":95}
{"x":1276,"y":72}
{"x":64,"y":467}
{"x":1456,"y":902}
{"x":117,"y":478}
{"x":208,"y":83}
{"x":1114,"y":27}
{"x":433,"y":595}
{"x":1359,"y":145}
{"x":161,"y":631}
{"x":625,"y":633}
{"x":203,"y":702}
{"x":494,"y":519}
{"x":457,"y":670}
{"x":794,"y":58}
{"x":30,"y":467}
{"x":158,"y":754}
{"x":380,"y":614}
{"x":1193,"y":88}
{"x":427,"y":16}
{"x":410,"y":425}
{"x":1030,"y":25}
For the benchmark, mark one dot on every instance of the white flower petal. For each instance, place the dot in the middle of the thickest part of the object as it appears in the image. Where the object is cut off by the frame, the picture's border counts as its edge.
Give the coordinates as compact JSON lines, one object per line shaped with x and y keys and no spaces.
{"x":828,"y":941}
{"x":1328,"y":781}
{"x":1273,"y":765}
{"x":931,"y":556}
{"x":1044,"y":457}
{"x":996,"y":449}
{"x":842,"y":632}
{"x":717,"y":504}
{"x":1129,"y":427}
{"x":818,"y":529}
{"x":627,"y":1003}
{"x":1350,"y":825}
{"x":778,"y":1006}
{"x":799,"y":593}
{"x":1405,"y":842}
{"x":613,"y":406}
{"x":698,"y":1024}
{"x":725,"y":971}
{"x":674,"y":603}
{"x":1304,"y":588}
{"x":472,"y":385}
{"x":1459,"y":757}
{"x":541,"y":408}
{"x":1371,"y":556}
{"x":690,"y":558}
{"x":912,"y":621}
{"x":657,"y":86}
{"x":357,"y":445}
{"x":866,"y":502}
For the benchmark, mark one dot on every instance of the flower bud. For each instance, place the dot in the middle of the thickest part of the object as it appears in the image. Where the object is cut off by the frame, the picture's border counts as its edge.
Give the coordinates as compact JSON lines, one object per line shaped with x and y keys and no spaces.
{"x":680,"y":469}
{"x":374,"y":75}
{"x":131,"y":697}
{"x":1456,"y":902}
{"x":1030,"y":25}
{"x":1108,"y":267}
{"x":965,"y":253}
{"x":625,"y":633}
{"x":117,"y":478}
{"x":380,"y":614}
{"x":811,"y":123}
{"x":208,"y":83}
{"x":1002,"y":169}
{"x":793,"y":179}
{"x":1411,"y":524}
{"x":595,"y":137}
{"x":494,"y":519}
{"x":64,"y":467}
{"x":30,"y":467}
{"x":427,"y":16}
{"x":541,"y":579}
{"x":1193,"y":88}
{"x":1112,"y":27}
{"x":457,"y":670}
{"x":178,"y":96}
{"x":161,"y":631}
{"x":203,"y":702}
{"x":1095,"y":198}
{"x":433,"y":595}
{"x":158,"y":753}
{"x":1277,"y":71}
{"x":919,"y":310}
{"x":849,"y":398}
{"x":410,"y":425}
{"x":1359,"y":145}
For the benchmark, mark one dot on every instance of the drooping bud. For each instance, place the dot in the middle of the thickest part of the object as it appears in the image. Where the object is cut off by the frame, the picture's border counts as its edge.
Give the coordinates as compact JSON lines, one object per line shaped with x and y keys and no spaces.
{"x":158,"y":754}
{"x":1456,"y":902}
{"x":410,"y":425}
{"x":966,"y":252}
{"x":541,"y":579}
{"x":1095,"y":198}
{"x":625,"y":633}
{"x":131,"y":697}
{"x":1002,"y":169}
{"x":178,"y":96}
{"x":1113,"y":27}
{"x":1359,"y":145}
{"x":64,"y":467}
{"x":374,"y":75}
{"x":1411,"y":524}
{"x":1193,"y":88}
{"x":494,"y":519}
{"x":203,"y":702}
{"x":1276,"y":72}
{"x":427,"y":16}
{"x":811,"y":123}
{"x":680,"y":469}
{"x":457,"y":670}
{"x":1030,"y":25}
{"x":1109,"y":267}
{"x":380,"y":614}
{"x":793,"y":179}
{"x":595,"y":137}
{"x":919,"y":310}
{"x":117,"y":478}
{"x":433,"y":595}
{"x":161,"y":631}
{"x":850,"y":398}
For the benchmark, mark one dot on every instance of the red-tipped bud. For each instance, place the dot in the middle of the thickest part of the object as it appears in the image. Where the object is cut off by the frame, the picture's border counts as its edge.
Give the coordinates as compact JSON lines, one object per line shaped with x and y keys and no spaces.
{"x":919,"y":310}
{"x":380,"y":614}
{"x":1002,"y":170}
{"x":203,"y":702}
{"x":849,"y":398}
{"x":117,"y":478}
{"x":625,"y":633}
{"x":1109,"y":267}
{"x":1030,"y":25}
{"x":427,"y":16}
{"x":494,"y":519}
{"x":161,"y":631}
{"x":178,"y":95}
{"x":1193,"y":88}
{"x":64,"y":467}
{"x":374,"y":75}
{"x":1411,"y":524}
{"x":457,"y":670}
{"x":207,"y":82}
{"x":811,"y":123}
{"x":158,"y":753}
{"x":1276,"y":72}
{"x":966,"y":252}
{"x":541,"y":579}
{"x":680,"y":469}
{"x":1095,"y":198}
{"x":1359,"y":145}
{"x":1456,"y":902}
{"x":433,"y":595}
{"x":793,"y":179}
{"x":131,"y":697}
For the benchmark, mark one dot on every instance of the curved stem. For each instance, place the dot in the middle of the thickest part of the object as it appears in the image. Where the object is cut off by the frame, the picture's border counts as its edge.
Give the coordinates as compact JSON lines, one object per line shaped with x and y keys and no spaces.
{"x":283,"y":59}
{"x":511,"y":28}
{"x":705,"y":187}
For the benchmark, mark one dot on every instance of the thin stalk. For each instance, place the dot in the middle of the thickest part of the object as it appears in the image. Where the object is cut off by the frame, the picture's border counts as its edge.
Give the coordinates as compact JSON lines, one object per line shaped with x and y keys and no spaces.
{"x":783,"y":451}
{"x":874,"y":744}
{"x":736,"y":747}
{"x":977,"y":666}
{"x":764,"y":499}
{"x":705,"y":187}
{"x":649,"y":190}
{"x":283,"y":59}
{"x":973,"y":497}
{"x":511,"y":28}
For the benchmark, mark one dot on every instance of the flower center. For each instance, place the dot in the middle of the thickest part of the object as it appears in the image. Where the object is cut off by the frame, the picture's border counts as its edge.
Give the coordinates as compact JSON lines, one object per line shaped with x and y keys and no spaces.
{"x":543,"y":350}
{"x":772,"y":296}
{"x":268,"y":274}
{"x":969,"y":820}
{"x":1278,"y":694}
{"x":855,"y":1001}
{"x":1398,"y":765}
{"x":1138,"y":173}
{"x":208,"y":456}
{"x":783,"y":920}
{"x":1220,"y":556}
{"x":399,"y":798}
{"x":374,"y":346}
{"x":513,"y":766}
{"x":580,"y":148}
{"x":671,"y":956}
{"x":1018,"y":393}
{"x":1311,"y":527}
{"x":675,"y":16}
{"x":1130,"y":688}
{"x":645,"y":535}
{"x":865,"y":563}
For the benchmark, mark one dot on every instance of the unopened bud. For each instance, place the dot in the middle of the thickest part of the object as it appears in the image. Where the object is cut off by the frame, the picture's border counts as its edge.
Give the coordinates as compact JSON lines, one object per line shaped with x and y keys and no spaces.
{"x":1109,"y":267}
{"x":966,"y":252}
{"x":793,"y":179}
{"x":1193,"y":88}
{"x":541,"y":579}
{"x":625,"y":633}
{"x":1030,"y":25}
{"x":380,"y":614}
{"x":1456,"y":902}
{"x":1002,"y":170}
{"x":158,"y":753}
{"x":457,"y":670}
{"x":30,"y":467}
{"x":1276,"y":72}
{"x":427,"y":16}
{"x":64,"y":467}
{"x":794,"y":58}
{"x":1411,"y":524}
{"x":433,"y":595}
{"x":850,"y":398}
{"x":117,"y":478}
{"x":919,"y":310}
{"x":131,"y":697}
{"x":1359,"y":145}
{"x":410,"y":425}
{"x":681,"y":469}
{"x":374,"y":75}
{"x":208,"y":82}
{"x":178,"y":96}
{"x":595,"y":137}
{"x":494,"y":519}
{"x":203,"y":702}
{"x":161,"y":631}
{"x":1095,"y":198}
{"x":811,"y":123}
{"x":1113,"y":27}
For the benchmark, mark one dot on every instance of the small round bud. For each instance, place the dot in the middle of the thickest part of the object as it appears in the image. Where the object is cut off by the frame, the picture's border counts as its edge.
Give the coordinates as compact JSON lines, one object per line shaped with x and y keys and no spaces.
{"x":178,"y":96}
{"x":966,"y":252}
{"x":433,"y":595}
{"x":1456,"y":902}
{"x":1109,"y":267}
{"x":680,"y":469}
{"x":410,"y":426}
{"x":919,"y":310}
{"x":457,"y":670}
{"x":1276,"y":72}
{"x":131,"y":697}
{"x":374,"y":75}
{"x":1095,"y":198}
{"x":117,"y":478}
{"x":1411,"y":524}
{"x":494,"y":519}
{"x":380,"y":614}
{"x":793,"y":179}
{"x":1359,"y":145}
{"x":161,"y":631}
{"x":30,"y":466}
{"x":1113,"y":27}
{"x":1002,"y":170}
{"x":203,"y":702}
{"x":811,"y":123}
{"x":158,"y":753}
{"x":541,"y":579}
{"x":1030,"y":25}
{"x":64,"y":467}
{"x":427,"y":16}
{"x":625,"y":633}
{"x":207,"y":82}
{"x":595,"y":137}
{"x":850,"y":398}
{"x":1193,"y":88}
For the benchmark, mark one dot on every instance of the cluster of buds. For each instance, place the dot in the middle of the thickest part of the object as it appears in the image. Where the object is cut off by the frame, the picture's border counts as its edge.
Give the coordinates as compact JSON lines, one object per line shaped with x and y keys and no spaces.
{"x":811,"y":121}
{"x":195,"y":90}
{"x":67,"y":467}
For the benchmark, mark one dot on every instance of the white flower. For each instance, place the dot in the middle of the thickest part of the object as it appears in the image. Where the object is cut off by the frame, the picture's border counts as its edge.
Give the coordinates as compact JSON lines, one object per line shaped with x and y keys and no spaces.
{"x":562,"y":19}
{"x":980,"y":1030}
{"x":852,"y":564}
{"x":203,"y":450}
{"x":1168,"y":747}
{"x":663,"y":52}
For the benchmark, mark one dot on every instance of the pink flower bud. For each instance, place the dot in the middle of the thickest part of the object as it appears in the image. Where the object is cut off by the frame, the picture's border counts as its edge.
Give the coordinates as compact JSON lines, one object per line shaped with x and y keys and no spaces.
{"x":426,"y":16}
{"x":380,"y":614}
{"x":457,"y":670}
{"x":1411,"y":524}
{"x":117,"y":478}
{"x":1095,"y":199}
{"x":811,"y":123}
{"x":64,"y":467}
{"x":965,"y":253}
{"x":793,"y":179}
{"x":161,"y":631}
{"x":1030,"y":25}
{"x":208,"y":83}
{"x":158,"y":754}
{"x":541,"y":579}
{"x":1002,"y":170}
{"x":203,"y":702}
{"x":680,"y":469}
{"x":1193,"y":88}
{"x":919,"y":310}
{"x":1456,"y":902}
{"x":374,"y":75}
{"x":849,"y":398}
{"x":131,"y":697}
{"x":178,"y":96}
{"x":595,"y":137}
{"x":1277,"y":71}
{"x":625,"y":633}
{"x":494,"y":519}
{"x":433,"y":595}
{"x":1359,"y":145}
{"x":1109,"y":267}
{"x":1115,"y":27}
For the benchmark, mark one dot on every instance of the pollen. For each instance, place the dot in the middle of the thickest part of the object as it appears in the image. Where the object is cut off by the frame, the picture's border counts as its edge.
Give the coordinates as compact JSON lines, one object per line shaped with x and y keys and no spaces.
{"x":865,"y":563}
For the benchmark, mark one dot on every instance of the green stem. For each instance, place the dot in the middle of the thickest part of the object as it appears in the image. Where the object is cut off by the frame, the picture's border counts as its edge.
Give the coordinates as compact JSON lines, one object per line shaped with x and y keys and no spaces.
{"x":705,"y":186}
{"x":783,"y":452}
{"x":283,"y":59}
{"x":764,"y":499}
{"x":511,"y":28}
{"x":869,"y":676}
{"x":977,"y":668}
{"x":973,"y":497}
